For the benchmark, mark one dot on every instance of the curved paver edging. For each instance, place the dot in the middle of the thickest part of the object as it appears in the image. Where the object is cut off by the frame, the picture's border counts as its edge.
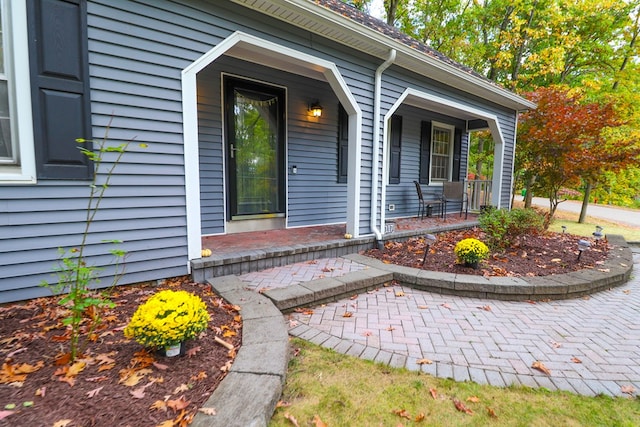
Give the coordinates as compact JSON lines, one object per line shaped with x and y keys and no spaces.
{"x":614,"y":272}
{"x":248,"y":395}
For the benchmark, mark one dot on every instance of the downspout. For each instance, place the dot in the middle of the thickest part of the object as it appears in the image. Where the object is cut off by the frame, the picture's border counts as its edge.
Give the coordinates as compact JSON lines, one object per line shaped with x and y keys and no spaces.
{"x":376,"y":142}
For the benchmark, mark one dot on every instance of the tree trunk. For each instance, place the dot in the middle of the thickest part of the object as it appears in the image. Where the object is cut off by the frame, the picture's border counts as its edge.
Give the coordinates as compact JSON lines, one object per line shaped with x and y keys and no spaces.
{"x":528,"y":193}
{"x":585,"y":203}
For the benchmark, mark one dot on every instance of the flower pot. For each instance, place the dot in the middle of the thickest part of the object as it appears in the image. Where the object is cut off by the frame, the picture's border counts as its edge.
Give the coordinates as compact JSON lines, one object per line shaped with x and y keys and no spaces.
{"x":173,"y":350}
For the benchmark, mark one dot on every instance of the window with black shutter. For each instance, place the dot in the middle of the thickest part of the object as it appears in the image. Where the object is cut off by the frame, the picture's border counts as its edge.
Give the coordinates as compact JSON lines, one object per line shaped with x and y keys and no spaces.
{"x":58,"y":56}
{"x":394,"y":149}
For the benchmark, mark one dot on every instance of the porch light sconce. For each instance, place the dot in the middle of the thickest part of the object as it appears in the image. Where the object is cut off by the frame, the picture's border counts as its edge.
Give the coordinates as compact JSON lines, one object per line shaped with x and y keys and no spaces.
{"x":315,"y":109}
{"x":583,"y":245}
{"x":429,"y":240}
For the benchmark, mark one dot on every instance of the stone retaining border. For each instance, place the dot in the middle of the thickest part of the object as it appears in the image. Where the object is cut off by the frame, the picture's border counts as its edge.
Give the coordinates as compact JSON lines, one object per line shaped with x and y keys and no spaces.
{"x":614,"y":272}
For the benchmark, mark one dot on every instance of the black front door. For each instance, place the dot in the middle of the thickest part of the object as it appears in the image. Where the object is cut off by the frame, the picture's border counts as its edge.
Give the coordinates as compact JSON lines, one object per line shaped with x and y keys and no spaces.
{"x":255,"y":149}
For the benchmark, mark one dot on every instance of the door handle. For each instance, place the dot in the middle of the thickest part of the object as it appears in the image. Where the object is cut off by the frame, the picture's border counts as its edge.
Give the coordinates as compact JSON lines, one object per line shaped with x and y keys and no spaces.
{"x":232,"y":151}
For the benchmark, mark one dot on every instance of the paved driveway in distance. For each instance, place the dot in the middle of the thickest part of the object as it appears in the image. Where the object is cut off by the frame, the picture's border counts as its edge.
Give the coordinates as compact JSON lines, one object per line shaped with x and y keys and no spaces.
{"x":624,"y":216}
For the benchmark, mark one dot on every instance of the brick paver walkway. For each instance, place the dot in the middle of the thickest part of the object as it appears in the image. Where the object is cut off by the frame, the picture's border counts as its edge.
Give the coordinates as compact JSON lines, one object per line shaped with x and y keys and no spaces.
{"x":590,"y":345}
{"x":280,"y":277}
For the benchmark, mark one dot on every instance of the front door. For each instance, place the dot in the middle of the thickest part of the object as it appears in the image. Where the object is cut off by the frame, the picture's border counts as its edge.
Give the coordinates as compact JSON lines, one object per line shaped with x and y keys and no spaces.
{"x":255,"y":149}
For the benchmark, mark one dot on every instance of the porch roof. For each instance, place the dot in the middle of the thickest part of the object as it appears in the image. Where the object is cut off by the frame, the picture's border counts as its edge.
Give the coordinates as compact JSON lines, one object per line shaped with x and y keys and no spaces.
{"x":346,"y":25}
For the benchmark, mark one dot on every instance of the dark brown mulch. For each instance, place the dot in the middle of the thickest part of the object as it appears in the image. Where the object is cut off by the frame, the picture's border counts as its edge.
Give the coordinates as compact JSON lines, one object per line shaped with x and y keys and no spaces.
{"x":169,"y":390}
{"x":533,"y":255}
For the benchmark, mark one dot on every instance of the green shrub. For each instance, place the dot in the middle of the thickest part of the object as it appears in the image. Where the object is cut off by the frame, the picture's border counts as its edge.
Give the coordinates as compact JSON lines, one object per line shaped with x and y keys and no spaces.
{"x":503,"y":227}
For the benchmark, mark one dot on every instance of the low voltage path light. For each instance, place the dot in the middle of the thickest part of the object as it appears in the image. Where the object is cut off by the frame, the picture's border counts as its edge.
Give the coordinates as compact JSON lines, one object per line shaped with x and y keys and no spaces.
{"x":583,"y":245}
{"x":564,"y":229}
{"x":598,"y":234}
{"x":429,"y":240}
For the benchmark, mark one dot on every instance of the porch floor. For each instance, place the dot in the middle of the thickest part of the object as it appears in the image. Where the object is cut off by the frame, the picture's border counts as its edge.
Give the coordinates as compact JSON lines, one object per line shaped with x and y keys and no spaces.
{"x":256,"y":240}
{"x":241,"y":253}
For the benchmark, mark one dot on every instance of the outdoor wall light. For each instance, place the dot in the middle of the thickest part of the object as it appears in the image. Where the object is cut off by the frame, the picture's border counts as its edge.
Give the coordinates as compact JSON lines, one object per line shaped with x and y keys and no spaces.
{"x":598,"y":233}
{"x":315,"y":109}
{"x":429,"y":239}
{"x":583,"y":245}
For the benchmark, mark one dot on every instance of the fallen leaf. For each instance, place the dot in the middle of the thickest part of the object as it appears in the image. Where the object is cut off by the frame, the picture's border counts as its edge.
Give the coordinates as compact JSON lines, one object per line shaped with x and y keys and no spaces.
{"x":420,"y":417}
{"x":391,"y":328}
{"x":75,"y":369}
{"x":94,"y":392}
{"x":485,"y":308}
{"x":193,"y":351}
{"x":367,"y":333}
{"x":460,"y":407}
{"x":628,"y":389}
{"x":445,"y":305}
{"x":399,"y":293}
{"x":159,"y":405}
{"x":138,"y":393}
{"x":207,"y":411}
{"x":473,"y":399}
{"x":168,"y":423}
{"x":434,"y":393}
{"x":62,"y":423}
{"x":576,"y":360}
{"x":178,"y":404}
{"x":42,"y":391}
{"x":282,"y":404}
{"x":347,"y":314}
{"x":402,"y":413}
{"x":423,"y":307}
{"x":97,"y":379}
{"x":5,"y":414}
{"x":354,"y":297}
{"x":424,"y":362}
{"x":626,"y":291}
{"x":491,"y":413}
{"x":540,"y":366}
{"x":160,"y":366}
{"x":181,"y":388}
{"x":291,"y":419}
{"x":555,"y":344}
{"x":317,"y":422}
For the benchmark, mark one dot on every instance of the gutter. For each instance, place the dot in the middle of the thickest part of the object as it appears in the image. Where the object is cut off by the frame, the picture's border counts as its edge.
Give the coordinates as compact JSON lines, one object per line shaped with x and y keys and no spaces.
{"x":376,"y":142}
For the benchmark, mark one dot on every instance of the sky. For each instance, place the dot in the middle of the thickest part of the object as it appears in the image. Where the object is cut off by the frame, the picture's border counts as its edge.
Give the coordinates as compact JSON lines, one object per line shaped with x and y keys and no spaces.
{"x":377,"y":9}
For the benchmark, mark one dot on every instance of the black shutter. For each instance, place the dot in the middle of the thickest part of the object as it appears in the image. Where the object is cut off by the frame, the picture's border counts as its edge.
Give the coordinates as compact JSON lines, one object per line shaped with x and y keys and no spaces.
{"x":425,"y":151}
{"x":394,"y":150}
{"x":457,"y":154}
{"x":343,"y":144}
{"x":58,"y":56}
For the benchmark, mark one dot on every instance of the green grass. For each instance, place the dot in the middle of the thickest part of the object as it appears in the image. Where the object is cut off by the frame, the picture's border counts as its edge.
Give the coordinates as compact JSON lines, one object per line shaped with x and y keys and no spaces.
{"x":346,"y":391}
{"x":562,"y":218}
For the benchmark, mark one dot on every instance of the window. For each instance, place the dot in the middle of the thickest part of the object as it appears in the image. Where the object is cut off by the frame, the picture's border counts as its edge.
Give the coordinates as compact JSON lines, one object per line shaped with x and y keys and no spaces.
{"x":441,"y":153}
{"x":17,"y":162}
{"x":395,"y":149}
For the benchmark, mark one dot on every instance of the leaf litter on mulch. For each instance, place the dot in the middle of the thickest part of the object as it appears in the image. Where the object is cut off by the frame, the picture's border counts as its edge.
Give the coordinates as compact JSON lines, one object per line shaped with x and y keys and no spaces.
{"x":532,"y":255}
{"x":116,"y":382}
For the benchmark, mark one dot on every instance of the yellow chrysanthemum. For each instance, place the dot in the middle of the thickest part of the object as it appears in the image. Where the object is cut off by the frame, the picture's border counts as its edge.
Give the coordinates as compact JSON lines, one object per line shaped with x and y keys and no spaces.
{"x":168,"y":317}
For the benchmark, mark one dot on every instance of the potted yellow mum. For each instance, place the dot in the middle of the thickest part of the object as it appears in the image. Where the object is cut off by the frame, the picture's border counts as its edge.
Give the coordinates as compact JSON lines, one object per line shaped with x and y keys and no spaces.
{"x":470,"y":252}
{"x":167,"y":319}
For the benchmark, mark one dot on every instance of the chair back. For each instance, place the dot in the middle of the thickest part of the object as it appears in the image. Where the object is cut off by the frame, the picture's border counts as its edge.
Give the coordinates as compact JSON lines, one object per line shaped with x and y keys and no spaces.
{"x":418,"y":190}
{"x":453,"y":190}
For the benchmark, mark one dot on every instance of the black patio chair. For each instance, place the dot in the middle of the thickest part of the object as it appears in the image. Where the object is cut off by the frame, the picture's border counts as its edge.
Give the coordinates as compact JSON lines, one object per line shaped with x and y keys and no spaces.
{"x":425,"y":206}
{"x":454,"y":192}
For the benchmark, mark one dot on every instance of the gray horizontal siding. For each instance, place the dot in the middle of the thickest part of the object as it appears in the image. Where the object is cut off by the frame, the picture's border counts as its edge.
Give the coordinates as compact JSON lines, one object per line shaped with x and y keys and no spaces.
{"x":137,"y":51}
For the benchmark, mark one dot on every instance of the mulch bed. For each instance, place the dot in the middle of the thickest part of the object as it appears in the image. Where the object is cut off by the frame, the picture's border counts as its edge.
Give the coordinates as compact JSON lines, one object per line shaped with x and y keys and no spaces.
{"x":533,"y":255}
{"x":118,"y":382}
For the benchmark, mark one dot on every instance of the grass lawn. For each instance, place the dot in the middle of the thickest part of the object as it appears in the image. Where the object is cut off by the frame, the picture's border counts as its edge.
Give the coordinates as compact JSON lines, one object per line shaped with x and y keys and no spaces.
{"x":337,"y":390}
{"x":570,"y":221}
